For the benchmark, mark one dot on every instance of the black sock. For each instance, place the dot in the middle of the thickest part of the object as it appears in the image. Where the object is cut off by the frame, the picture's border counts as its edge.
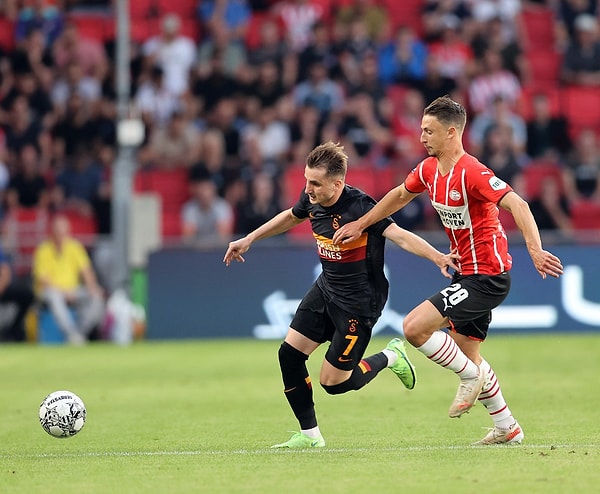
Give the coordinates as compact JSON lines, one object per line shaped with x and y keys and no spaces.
{"x":297,"y":385}
{"x":363,"y":373}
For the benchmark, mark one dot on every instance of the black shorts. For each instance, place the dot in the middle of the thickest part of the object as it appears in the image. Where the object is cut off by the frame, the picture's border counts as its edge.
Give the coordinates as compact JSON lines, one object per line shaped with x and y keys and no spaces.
{"x":469,"y":300}
{"x":321,"y":321}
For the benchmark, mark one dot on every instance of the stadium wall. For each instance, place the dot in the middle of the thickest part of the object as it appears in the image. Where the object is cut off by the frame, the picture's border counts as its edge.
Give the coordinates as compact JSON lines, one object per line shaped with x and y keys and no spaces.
{"x":192,"y":294}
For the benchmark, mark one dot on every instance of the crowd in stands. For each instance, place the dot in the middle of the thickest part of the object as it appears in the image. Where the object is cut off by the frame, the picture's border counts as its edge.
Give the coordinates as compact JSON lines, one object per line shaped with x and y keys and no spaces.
{"x":234,"y":93}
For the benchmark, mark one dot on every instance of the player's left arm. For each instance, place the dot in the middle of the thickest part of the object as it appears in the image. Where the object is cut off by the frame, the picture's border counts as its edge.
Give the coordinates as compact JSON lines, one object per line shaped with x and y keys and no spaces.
{"x":414,"y":244}
{"x":545,"y":262}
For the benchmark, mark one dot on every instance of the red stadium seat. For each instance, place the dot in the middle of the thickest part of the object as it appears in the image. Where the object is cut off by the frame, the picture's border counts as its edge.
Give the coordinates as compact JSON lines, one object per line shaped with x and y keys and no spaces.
{"x":538,"y":27}
{"x":171,"y":224}
{"x":83,"y":227}
{"x":545,"y":66}
{"x":91,"y":26}
{"x":362,"y":178}
{"x":535,"y":172}
{"x":585,"y":214}
{"x":171,"y":185}
{"x":581,"y":106}
{"x":404,"y":12}
{"x":293,"y":182}
{"x":142,"y":8}
{"x":186,"y":9}
{"x":7,"y":34}
{"x":528,"y":93}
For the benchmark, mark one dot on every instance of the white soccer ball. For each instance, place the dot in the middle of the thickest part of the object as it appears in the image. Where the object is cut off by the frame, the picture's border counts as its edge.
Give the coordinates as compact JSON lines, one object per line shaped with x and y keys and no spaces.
{"x":62,"y":414}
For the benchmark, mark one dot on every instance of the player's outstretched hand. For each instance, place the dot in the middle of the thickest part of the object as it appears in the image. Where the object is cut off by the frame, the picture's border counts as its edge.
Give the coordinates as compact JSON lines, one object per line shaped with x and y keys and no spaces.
{"x":547,"y":263}
{"x":447,"y":262}
{"x":347,"y":233}
{"x":235,"y":251}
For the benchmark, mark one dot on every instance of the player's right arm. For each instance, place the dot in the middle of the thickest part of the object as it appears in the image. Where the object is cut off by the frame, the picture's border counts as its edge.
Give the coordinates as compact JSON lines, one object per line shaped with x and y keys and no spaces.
{"x":276,"y":225}
{"x":393,"y":201}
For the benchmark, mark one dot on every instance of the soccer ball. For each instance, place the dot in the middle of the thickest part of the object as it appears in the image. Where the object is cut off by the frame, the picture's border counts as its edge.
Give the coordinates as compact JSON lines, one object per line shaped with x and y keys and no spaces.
{"x":62,"y":414}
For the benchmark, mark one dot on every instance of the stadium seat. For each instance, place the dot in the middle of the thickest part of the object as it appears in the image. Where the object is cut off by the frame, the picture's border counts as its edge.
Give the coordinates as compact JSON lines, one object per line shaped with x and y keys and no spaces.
{"x":545,"y":66}
{"x":363,"y":178}
{"x":171,"y":185}
{"x":538,"y":28}
{"x":91,"y":26}
{"x":404,"y":12}
{"x":254,"y":26}
{"x":585,"y":214}
{"x":293,"y":183}
{"x":186,"y":9}
{"x":535,"y":172}
{"x":23,"y":229}
{"x":7,"y":34}
{"x":525,"y":107}
{"x":171,"y":227}
{"x":139,"y":9}
{"x":581,"y":106}
{"x":83,"y":227}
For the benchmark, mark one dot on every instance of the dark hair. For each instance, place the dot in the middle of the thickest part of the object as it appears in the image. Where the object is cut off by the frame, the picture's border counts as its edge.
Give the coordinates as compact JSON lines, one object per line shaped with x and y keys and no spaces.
{"x":448,"y":112}
{"x":329,"y":155}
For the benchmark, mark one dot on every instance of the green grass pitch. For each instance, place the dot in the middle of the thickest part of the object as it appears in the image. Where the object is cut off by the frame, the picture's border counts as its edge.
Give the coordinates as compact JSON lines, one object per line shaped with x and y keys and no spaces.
{"x":199,"y":416}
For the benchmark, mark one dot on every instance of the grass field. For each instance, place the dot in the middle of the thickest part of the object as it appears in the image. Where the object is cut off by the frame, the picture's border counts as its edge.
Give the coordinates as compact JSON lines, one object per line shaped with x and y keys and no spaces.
{"x":199,"y":416}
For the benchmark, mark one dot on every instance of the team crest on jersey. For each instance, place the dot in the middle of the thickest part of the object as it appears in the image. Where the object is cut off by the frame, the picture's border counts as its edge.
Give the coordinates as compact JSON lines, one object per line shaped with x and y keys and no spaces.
{"x":455,"y":195}
{"x":497,"y":184}
{"x":335,"y":221}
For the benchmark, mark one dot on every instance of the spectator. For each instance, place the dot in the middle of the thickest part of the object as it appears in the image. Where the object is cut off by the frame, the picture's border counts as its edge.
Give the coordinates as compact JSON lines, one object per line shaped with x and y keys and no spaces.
{"x":207,"y":218}
{"x":406,"y":127}
{"x":365,"y":135}
{"x":32,"y":55}
{"x":270,"y":45}
{"x":320,"y":91}
{"x":267,"y":86}
{"x":75,"y":82}
{"x":298,"y":18}
{"x":438,"y":13}
{"x":435,"y":84}
{"x":493,"y":81}
{"x":305,"y":132}
{"x":453,"y":53}
{"x":375,"y":17}
{"x":28,"y":188}
{"x":319,"y":48}
{"x":172,"y":51}
{"x":551,"y":208}
{"x":229,"y":15}
{"x":88,"y":53}
{"x":177,"y":144}
{"x":42,"y":15}
{"x":367,"y":80}
{"x":547,"y":135}
{"x":27,"y":85}
{"x":499,"y":113}
{"x":73,"y":127}
{"x":223,"y":41}
{"x":23,"y":128}
{"x":271,"y":135}
{"x":581,"y":61}
{"x":499,"y":152}
{"x":212,"y":84}
{"x":567,"y":13}
{"x":402,"y":59}
{"x":260,"y":206}
{"x":582,"y":174}
{"x":13,"y":291}
{"x":225,"y":120}
{"x":155,"y":102}
{"x":64,"y":278}
{"x":78,"y":183}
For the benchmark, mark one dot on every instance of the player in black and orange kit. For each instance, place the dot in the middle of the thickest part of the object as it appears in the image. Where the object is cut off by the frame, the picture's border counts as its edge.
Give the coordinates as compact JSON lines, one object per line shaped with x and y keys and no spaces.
{"x":346,"y":300}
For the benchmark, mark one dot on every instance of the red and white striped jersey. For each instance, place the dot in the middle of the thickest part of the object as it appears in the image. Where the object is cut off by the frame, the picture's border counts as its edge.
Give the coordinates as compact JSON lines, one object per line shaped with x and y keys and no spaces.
{"x":466,"y":200}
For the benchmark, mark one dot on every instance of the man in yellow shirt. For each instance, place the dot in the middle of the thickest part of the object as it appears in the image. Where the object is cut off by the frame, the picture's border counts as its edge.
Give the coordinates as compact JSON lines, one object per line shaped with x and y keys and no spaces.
{"x":64,"y":277}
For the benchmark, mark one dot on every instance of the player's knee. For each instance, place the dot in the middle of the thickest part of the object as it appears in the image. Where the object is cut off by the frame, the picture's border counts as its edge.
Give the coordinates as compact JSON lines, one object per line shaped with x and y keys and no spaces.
{"x":338,"y":389}
{"x":410,"y":328}
{"x":289,"y":356}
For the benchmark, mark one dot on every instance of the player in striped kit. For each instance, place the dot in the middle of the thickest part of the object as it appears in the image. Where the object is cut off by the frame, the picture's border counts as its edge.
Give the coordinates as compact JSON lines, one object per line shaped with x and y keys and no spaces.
{"x":466,"y":194}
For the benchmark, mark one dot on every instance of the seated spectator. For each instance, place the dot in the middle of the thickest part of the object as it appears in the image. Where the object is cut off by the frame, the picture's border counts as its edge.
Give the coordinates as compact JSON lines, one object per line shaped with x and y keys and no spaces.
{"x":211,"y":83}
{"x":305,"y":132}
{"x":259,"y":207}
{"x":64,"y":278}
{"x":177,"y":144}
{"x":493,"y":81}
{"x":319,"y":48}
{"x":155,"y":102}
{"x":40,"y":14}
{"x":581,"y":61}
{"x":23,"y":128}
{"x":28,"y":188}
{"x":270,"y":46}
{"x":32,"y":55}
{"x":26,"y":84}
{"x":551,"y":208}
{"x":499,"y":113}
{"x":320,"y":91}
{"x":364,"y":133}
{"x":13,"y":291}
{"x":582,"y":174}
{"x":267,"y":86}
{"x":499,"y":154}
{"x":78,"y":183}
{"x":435,"y":84}
{"x":225,"y":120}
{"x":402,"y":60}
{"x":406,"y":128}
{"x":270,"y":134}
{"x":74,"y":82}
{"x":207,"y":219}
{"x":298,"y":18}
{"x":88,"y":53}
{"x":229,"y":15}
{"x":436,"y":14}
{"x":567,"y":12}
{"x":223,"y":41}
{"x":374,"y":15}
{"x":547,"y":136}
{"x":172,"y":51}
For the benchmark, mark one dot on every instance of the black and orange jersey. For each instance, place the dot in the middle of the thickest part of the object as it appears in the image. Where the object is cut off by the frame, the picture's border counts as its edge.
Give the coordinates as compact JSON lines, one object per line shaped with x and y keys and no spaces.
{"x":352,"y":276}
